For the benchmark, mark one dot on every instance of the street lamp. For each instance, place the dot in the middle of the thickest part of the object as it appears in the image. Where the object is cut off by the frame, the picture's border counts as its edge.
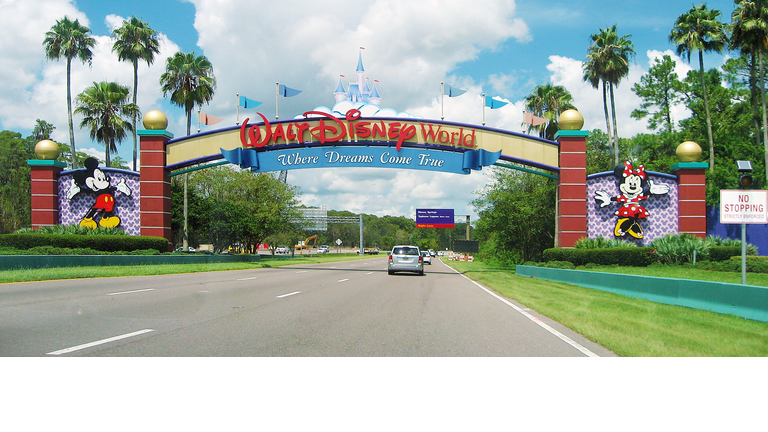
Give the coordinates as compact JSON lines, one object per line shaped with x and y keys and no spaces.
{"x":745,"y":173}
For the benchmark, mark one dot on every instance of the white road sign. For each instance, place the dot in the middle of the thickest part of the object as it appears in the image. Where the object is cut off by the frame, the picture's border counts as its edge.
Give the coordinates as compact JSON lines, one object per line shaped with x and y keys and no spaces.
{"x":744,"y":206}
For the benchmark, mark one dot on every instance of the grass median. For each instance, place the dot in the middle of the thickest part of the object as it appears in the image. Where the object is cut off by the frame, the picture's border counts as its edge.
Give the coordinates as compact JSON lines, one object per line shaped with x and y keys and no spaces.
{"x":628,"y":326}
{"x":58,"y":273}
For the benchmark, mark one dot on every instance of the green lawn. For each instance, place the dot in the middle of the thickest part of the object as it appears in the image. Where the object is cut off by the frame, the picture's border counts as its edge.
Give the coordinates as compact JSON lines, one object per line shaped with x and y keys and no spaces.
{"x":628,"y":326}
{"x":33,"y":275}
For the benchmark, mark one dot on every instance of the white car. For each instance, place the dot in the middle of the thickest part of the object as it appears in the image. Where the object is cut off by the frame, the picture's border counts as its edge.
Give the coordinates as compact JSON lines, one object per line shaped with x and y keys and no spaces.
{"x":324,"y":249}
{"x":282,"y":250}
{"x":405,"y":258}
{"x":427,"y":257}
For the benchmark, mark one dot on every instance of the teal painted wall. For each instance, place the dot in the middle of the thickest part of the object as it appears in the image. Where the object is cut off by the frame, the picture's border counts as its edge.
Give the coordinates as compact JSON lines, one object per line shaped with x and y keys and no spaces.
{"x":746,"y":301}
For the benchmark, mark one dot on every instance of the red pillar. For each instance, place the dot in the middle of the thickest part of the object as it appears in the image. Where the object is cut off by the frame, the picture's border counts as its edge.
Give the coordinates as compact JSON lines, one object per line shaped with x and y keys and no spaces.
{"x":692,"y":197}
{"x":45,"y":191}
{"x":155,"y":185}
{"x":572,"y":188}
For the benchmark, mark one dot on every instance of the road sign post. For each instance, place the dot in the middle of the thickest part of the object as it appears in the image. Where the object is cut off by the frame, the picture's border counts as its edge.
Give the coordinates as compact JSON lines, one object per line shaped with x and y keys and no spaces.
{"x":744,"y":207}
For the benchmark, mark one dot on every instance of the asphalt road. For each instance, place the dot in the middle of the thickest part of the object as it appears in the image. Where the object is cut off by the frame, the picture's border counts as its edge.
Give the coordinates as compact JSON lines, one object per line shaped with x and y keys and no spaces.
{"x":336,"y":309}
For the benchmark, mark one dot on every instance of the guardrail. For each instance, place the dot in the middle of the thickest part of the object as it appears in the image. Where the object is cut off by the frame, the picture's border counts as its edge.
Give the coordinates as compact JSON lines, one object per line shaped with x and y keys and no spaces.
{"x":746,"y":301}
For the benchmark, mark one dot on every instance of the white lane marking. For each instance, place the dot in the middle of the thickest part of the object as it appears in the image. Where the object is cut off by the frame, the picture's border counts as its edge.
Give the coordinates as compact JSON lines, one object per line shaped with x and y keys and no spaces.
{"x":130,"y":292}
{"x":303,"y":271}
{"x":289,"y":294}
{"x":536,"y":320}
{"x":342,"y":280}
{"x":100,"y":342}
{"x":369,"y":273}
{"x":250,"y":278}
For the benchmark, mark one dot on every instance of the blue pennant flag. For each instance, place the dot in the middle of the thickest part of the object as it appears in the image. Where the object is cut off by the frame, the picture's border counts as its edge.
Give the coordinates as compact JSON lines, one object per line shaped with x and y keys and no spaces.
{"x":476,"y":159}
{"x":493,"y":103}
{"x":287,"y":91}
{"x":245,"y":158}
{"x":248,"y":103}
{"x":452,"y":92}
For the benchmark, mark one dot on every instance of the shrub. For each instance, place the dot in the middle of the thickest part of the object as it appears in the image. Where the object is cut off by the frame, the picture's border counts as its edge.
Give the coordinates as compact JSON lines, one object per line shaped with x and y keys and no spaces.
{"x":638,"y":256}
{"x":680,"y":248}
{"x":723,"y":253}
{"x":106,"y":243}
{"x":72,"y":229}
{"x":600,"y":242}
{"x":719,"y":241}
{"x":755,"y":264}
{"x":560,"y":265}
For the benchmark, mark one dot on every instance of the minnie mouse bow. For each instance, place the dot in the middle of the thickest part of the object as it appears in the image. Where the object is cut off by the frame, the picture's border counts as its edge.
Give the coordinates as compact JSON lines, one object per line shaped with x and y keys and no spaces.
{"x":628,"y":171}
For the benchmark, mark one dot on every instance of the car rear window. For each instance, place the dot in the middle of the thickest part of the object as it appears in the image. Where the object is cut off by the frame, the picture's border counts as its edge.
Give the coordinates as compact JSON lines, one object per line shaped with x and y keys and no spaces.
{"x":405,"y":251}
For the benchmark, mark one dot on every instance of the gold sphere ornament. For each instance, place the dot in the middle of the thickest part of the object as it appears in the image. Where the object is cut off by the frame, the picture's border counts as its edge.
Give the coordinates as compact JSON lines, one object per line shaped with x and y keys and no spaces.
{"x":688,"y":151}
{"x":47,"y":150}
{"x":570,"y":120}
{"x":155,"y":120}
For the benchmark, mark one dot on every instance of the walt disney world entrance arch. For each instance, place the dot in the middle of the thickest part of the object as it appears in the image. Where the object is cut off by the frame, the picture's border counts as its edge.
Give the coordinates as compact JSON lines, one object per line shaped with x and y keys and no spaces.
{"x":322,"y":140}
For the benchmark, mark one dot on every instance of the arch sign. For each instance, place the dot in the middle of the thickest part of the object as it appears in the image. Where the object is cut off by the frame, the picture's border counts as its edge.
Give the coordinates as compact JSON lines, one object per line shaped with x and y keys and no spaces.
{"x":322,"y":140}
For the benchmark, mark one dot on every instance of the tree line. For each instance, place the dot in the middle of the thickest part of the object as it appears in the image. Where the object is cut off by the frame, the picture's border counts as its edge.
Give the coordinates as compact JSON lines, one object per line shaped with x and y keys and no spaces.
{"x":229,"y":206}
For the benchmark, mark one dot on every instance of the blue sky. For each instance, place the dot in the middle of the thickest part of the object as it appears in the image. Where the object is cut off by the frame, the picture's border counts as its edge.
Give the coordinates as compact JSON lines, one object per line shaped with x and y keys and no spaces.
{"x":500,"y":47}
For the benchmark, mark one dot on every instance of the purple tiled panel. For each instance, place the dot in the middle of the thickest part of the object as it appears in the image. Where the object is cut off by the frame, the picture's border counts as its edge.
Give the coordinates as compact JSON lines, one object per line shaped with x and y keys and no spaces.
{"x":663,"y":218}
{"x":127,"y":208}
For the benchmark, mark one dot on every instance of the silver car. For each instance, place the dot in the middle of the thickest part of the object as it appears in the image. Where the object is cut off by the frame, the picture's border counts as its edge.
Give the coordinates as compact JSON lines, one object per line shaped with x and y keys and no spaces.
{"x":405,"y":258}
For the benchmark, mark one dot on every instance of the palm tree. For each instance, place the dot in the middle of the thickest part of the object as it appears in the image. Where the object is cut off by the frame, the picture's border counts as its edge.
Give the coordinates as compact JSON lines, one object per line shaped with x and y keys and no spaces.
{"x":750,"y":35}
{"x":69,"y":39}
{"x":105,"y":108}
{"x":608,"y":61}
{"x":189,"y":79}
{"x":590,"y":74}
{"x":134,"y":41}
{"x":700,"y":30}
{"x":42,"y":130}
{"x":548,"y":101}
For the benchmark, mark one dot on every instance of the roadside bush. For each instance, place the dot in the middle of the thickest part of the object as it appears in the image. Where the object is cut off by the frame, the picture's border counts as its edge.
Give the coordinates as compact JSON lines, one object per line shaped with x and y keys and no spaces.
{"x":638,"y":256}
{"x":600,"y":242}
{"x":72,"y":229}
{"x":105,"y":243}
{"x":723,"y":253}
{"x":679,"y":248}
{"x":720,"y":241}
{"x":560,"y":265}
{"x":755,"y":264}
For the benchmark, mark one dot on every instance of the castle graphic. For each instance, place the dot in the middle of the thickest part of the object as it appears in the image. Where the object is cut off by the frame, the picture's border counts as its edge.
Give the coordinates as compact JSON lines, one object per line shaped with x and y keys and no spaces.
{"x":358,"y":91}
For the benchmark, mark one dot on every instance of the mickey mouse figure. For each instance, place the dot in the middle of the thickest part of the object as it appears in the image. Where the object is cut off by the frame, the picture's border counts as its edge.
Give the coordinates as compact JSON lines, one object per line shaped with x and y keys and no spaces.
{"x":95,"y":180}
{"x":634,"y":188}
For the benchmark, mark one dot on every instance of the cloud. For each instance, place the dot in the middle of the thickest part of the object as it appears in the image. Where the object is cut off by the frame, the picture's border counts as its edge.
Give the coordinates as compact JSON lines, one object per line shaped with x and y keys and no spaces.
{"x":410,"y":47}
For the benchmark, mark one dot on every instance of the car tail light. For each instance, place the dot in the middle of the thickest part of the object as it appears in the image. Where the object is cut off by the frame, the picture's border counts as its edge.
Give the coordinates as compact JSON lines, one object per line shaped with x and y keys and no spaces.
{"x":421,"y":259}
{"x":390,"y":259}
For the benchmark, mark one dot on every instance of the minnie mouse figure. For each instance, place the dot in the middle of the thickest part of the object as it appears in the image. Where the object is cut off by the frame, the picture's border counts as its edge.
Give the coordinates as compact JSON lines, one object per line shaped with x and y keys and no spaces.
{"x":95,"y":180}
{"x":634,"y":188}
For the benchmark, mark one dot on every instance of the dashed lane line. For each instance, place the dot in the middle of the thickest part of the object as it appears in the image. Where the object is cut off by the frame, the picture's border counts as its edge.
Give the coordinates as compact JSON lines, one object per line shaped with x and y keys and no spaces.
{"x":99,"y":342}
{"x":130,"y":292}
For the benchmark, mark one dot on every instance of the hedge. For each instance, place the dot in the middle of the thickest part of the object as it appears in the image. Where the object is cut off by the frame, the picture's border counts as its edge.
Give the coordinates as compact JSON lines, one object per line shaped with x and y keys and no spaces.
{"x":723,"y":253}
{"x":107,"y":243}
{"x":641,"y":256}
